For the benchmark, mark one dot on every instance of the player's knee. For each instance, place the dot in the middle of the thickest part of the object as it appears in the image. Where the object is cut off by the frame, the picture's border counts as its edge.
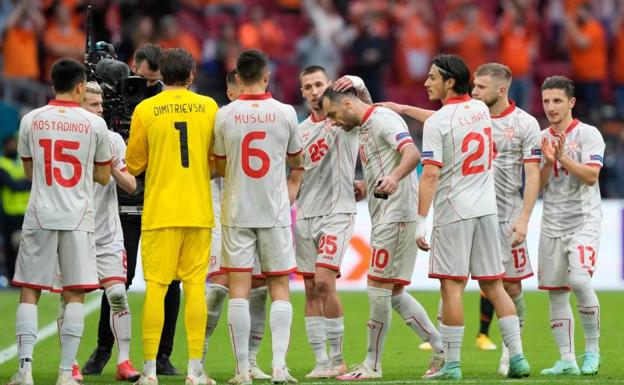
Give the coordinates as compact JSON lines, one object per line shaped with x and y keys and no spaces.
{"x":215,"y":296}
{"x":323,"y":286}
{"x":117,"y":297}
{"x":514,"y":289}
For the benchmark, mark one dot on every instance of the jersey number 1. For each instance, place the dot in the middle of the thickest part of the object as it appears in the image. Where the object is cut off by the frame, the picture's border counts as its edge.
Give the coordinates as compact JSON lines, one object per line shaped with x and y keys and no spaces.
{"x":184,"y":157}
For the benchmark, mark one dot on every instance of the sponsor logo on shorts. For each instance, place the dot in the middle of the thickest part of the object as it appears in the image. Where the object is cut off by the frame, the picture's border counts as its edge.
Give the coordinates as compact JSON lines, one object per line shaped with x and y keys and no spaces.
{"x":427,"y":154}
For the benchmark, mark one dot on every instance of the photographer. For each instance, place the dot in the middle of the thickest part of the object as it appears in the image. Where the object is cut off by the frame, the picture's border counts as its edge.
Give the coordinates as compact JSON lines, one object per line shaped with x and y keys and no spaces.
{"x":146,"y":65}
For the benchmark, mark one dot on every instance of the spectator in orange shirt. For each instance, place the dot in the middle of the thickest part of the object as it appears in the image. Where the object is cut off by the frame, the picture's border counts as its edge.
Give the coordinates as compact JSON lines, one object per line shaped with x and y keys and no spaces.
{"x":518,"y":49}
{"x":469,"y":35}
{"x":587,"y":47}
{"x":172,"y":36}
{"x":62,"y":39}
{"x":20,"y":49}
{"x":617,"y":63}
{"x":262,"y":33}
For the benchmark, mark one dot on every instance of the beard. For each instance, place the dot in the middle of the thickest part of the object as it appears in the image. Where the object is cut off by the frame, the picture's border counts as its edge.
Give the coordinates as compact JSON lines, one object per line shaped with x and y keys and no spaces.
{"x":490,"y":102}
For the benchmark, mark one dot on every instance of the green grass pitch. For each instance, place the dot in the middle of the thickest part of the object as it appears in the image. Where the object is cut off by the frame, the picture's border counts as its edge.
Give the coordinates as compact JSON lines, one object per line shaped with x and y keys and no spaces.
{"x":403,"y":363}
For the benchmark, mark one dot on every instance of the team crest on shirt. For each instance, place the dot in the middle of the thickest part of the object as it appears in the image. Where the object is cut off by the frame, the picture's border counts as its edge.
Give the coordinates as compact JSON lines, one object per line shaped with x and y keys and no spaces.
{"x":572,"y":146}
{"x":508,"y":132}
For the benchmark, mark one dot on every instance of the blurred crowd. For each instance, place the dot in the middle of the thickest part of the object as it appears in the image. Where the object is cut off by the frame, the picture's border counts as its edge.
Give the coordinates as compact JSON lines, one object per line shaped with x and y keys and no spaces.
{"x":389,"y":43}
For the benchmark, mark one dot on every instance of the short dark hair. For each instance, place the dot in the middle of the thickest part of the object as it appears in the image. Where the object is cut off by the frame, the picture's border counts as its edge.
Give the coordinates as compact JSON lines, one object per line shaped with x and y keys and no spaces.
{"x":312,"y":69}
{"x":176,"y":66}
{"x":454,"y":67}
{"x":558,"y":82}
{"x":150,"y":52}
{"x":336,"y":96}
{"x":230,"y":78}
{"x":496,"y":70}
{"x":251,"y":65}
{"x":66,"y":74}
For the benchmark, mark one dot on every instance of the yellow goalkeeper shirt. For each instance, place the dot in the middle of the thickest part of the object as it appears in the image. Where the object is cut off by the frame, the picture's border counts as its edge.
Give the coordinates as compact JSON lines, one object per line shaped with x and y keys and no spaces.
{"x":171,"y":140}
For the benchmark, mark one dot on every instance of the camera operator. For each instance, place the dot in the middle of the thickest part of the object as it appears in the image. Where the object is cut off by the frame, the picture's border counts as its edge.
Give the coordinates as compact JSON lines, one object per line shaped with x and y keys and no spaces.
{"x":146,"y":65}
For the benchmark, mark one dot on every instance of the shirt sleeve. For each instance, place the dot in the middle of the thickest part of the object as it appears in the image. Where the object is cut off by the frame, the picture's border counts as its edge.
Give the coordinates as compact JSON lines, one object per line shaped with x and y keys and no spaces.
{"x":531,"y":151}
{"x":103,"y":153}
{"x":218,"y":147}
{"x":23,"y":144}
{"x":137,"y":153}
{"x":120,"y":153}
{"x":394,"y":132}
{"x":294,"y":141}
{"x":592,"y":147}
{"x":432,"y":150}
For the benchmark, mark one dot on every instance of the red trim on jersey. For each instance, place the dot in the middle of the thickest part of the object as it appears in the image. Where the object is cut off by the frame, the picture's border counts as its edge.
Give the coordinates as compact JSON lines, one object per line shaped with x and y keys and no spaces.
{"x":26,"y":159}
{"x":403,"y":143}
{"x":266,"y":95}
{"x":313,"y":119}
{"x":327,"y":266}
{"x":444,"y":276}
{"x":295,"y":153}
{"x":31,"y":286}
{"x":63,"y":103}
{"x":304,"y":274}
{"x":574,"y":123}
{"x":238,"y":269}
{"x":368,"y":113}
{"x":457,"y":99}
{"x":549,"y":288}
{"x":594,"y":165}
{"x":516,"y":279}
{"x":488,"y":277}
{"x":215,"y":273}
{"x":219,"y":156}
{"x":281,"y":272}
{"x":105,"y":163}
{"x":258,"y":276}
{"x":56,"y":291}
{"x":433,"y":162}
{"x":120,"y":279}
{"x":388,"y":280}
{"x":506,"y":111}
{"x":532,"y":160}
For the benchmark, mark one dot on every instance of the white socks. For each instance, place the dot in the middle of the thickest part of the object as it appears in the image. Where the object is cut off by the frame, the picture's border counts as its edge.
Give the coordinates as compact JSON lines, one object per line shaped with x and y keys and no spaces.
{"x":215,"y":296}
{"x":195,"y":367}
{"x":26,"y":334}
{"x":452,"y":340}
{"x":510,"y":330}
{"x":120,"y":319}
{"x":334,"y":329}
{"x":380,"y":316}
{"x":589,"y":311}
{"x":71,"y":333}
{"x":562,"y":323}
{"x":149,"y":368}
{"x":280,"y":322}
{"x":257,"y":312}
{"x":315,"y":329}
{"x":520,"y":309}
{"x":416,"y":317}
{"x":239,"y":325}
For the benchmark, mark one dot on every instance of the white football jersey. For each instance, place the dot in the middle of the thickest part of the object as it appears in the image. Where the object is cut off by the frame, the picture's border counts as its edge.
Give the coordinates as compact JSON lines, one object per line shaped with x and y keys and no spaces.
{"x":64,"y":143}
{"x":107,"y":222}
{"x":458,"y":139}
{"x":255,"y":133}
{"x":516,"y":136}
{"x":383,"y":134}
{"x":569,"y":204}
{"x":330,"y":154}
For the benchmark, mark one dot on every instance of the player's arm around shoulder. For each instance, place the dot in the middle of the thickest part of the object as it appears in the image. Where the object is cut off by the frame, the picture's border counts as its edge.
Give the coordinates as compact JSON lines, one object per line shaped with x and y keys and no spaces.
{"x":103,"y":155}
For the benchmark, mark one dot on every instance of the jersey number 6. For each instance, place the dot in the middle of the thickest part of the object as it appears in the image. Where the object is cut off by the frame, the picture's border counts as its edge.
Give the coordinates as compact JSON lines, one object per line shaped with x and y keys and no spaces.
{"x":249,"y":152}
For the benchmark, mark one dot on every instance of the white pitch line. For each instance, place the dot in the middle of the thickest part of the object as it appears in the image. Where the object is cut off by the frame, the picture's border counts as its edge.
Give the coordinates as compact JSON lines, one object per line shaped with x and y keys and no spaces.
{"x":47,"y":331}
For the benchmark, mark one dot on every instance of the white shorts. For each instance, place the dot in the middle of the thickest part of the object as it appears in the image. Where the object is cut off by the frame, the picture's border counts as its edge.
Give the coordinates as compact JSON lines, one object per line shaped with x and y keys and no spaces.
{"x":322,"y":241}
{"x":394,"y":252}
{"x":560,"y":258}
{"x":112,"y":262}
{"x":215,"y":268}
{"x":469,"y":247}
{"x":272,"y":246}
{"x":515,"y":259}
{"x":46,"y":254}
